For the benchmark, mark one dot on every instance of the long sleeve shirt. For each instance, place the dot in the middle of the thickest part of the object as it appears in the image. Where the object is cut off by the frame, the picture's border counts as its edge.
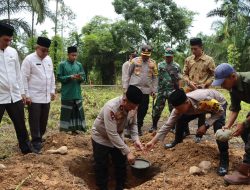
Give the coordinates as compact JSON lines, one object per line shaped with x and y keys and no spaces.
{"x":202,"y":101}
{"x":38,"y":77}
{"x":240,"y":92}
{"x":11,"y":84}
{"x":71,"y":88}
{"x":143,"y":74}
{"x":125,"y":74}
{"x":110,"y":123}
{"x":199,"y":71}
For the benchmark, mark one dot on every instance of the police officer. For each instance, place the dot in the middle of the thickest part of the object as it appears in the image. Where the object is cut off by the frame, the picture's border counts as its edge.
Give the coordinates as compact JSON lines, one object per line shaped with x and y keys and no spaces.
{"x":168,"y":80}
{"x":125,"y":66}
{"x":143,"y":74}
{"x":190,"y":106}
{"x":198,"y":72}
{"x":238,"y":83}
{"x":107,"y":137}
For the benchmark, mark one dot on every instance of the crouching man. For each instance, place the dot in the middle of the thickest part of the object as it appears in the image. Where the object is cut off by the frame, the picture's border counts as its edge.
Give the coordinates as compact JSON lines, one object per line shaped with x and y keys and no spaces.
{"x":238,"y":85}
{"x":107,"y":137}
{"x":190,"y":106}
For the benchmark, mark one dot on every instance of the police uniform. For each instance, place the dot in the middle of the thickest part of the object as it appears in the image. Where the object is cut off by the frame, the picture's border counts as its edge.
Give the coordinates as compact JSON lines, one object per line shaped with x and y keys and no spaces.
{"x":203,"y":101}
{"x":108,"y":139}
{"x":168,"y":80}
{"x":143,"y":74}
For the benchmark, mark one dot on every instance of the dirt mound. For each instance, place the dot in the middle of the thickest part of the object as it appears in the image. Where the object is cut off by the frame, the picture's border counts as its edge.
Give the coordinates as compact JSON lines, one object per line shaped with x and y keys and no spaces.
{"x":170,"y":168}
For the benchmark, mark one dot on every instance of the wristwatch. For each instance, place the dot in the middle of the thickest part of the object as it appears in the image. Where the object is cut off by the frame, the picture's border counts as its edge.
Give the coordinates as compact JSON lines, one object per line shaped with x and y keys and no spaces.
{"x":207,"y":125}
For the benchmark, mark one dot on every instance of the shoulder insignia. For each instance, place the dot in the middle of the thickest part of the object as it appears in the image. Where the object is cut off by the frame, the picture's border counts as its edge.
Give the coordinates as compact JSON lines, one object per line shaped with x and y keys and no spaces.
{"x":112,"y":115}
{"x":209,"y":105}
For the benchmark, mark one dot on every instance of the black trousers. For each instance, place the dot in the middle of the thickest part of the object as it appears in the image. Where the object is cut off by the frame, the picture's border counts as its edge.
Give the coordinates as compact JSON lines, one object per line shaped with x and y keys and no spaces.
{"x":142,"y":110}
{"x":183,"y":123}
{"x":38,"y":118}
{"x":101,"y":157}
{"x":246,"y":138}
{"x":16,"y":114}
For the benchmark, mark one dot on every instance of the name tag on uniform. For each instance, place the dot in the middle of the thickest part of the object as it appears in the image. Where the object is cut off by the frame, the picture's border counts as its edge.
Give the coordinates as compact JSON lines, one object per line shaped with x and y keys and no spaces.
{"x":38,"y":64}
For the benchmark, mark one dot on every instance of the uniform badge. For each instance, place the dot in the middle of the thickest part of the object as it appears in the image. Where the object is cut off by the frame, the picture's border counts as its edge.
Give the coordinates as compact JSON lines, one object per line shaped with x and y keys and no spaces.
{"x":112,"y":115}
{"x":209,"y":105}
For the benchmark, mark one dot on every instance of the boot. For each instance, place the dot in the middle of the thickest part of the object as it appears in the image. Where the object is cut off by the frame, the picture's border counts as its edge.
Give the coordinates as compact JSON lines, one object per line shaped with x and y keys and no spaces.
{"x":154,"y":126}
{"x":223,"y":166}
{"x":152,"y":129}
{"x":139,"y":131}
{"x":171,"y":145}
{"x":240,"y":177}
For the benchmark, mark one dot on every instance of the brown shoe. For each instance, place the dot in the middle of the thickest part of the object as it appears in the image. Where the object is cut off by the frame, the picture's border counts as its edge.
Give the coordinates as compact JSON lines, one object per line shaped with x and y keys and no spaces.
{"x":242,"y":176}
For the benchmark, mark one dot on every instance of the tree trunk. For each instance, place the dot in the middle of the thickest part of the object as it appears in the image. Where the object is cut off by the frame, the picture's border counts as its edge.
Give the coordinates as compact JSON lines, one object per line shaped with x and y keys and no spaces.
{"x":8,"y":3}
{"x":56,"y":17}
{"x":32,"y":29}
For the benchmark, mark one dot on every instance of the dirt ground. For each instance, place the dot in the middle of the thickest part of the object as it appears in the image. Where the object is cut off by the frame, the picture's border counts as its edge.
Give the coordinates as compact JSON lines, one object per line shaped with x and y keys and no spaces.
{"x":169,"y":170}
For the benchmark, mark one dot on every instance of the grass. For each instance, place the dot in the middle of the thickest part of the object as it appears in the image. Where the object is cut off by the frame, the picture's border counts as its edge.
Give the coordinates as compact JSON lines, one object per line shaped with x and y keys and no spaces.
{"x":94,"y":99}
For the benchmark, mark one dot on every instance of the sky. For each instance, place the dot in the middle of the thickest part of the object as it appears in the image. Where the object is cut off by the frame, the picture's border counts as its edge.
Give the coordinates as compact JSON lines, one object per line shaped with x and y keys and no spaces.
{"x":89,"y":8}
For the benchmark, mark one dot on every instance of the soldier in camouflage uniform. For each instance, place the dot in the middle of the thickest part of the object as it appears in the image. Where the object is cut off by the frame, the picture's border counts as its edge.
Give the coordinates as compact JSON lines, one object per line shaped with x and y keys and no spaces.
{"x":168,"y":80}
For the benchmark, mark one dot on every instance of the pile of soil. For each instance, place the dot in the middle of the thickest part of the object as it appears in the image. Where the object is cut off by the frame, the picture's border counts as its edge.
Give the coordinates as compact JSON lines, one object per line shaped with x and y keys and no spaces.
{"x":169,"y":170}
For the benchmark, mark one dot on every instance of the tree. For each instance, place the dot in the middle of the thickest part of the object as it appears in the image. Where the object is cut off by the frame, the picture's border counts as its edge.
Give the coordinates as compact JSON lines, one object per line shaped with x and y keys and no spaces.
{"x":233,"y":31}
{"x":160,"y":22}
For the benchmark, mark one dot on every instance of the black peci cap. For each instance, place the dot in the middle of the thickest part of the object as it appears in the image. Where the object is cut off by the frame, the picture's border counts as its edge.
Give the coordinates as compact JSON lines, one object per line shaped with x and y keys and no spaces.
{"x":43,"y":41}
{"x":72,"y":49}
{"x":6,"y":29}
{"x":177,"y":97}
{"x":134,"y":94}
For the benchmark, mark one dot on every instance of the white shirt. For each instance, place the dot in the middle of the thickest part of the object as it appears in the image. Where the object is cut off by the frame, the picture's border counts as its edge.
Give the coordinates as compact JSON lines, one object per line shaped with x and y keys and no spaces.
{"x":38,"y":78}
{"x":11,"y":86}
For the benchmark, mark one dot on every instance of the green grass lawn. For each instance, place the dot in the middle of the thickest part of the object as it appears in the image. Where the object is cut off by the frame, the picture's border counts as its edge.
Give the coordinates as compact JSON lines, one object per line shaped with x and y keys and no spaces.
{"x":96,"y":97}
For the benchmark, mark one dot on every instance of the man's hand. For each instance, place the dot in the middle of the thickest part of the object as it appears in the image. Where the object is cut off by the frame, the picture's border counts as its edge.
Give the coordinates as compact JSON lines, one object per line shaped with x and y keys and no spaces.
{"x":192,"y":85}
{"x":239,"y":130}
{"x":201,"y":130}
{"x":23,"y":98}
{"x":131,"y":158}
{"x":150,"y":145}
{"x":139,"y":145}
{"x":28,"y":101}
{"x":52,"y":96}
{"x":153,"y":94}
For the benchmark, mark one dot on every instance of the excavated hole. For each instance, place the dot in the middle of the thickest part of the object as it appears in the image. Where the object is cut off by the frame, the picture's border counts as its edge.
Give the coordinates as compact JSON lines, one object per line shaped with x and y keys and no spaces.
{"x":83,"y":167}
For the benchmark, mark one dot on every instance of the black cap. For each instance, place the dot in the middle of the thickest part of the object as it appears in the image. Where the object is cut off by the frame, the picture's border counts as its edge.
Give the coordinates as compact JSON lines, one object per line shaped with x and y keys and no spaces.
{"x":134,"y":53}
{"x":72,"y":49}
{"x":177,"y":97}
{"x":43,"y":41}
{"x":6,"y":29}
{"x":146,"y":50}
{"x":195,"y":41}
{"x":134,"y":94}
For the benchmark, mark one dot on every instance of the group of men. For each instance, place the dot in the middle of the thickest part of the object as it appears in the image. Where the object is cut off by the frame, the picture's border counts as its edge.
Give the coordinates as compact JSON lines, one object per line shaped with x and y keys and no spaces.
{"x":33,"y":84}
{"x":141,"y":78}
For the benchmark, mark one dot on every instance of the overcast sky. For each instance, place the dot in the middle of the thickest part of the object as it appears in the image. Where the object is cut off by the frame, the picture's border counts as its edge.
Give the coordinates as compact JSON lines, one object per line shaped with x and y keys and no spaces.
{"x":89,"y":8}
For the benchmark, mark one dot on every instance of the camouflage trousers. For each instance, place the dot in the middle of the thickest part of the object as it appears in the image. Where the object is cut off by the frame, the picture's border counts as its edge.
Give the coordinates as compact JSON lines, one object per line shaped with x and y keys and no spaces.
{"x":159,"y":105}
{"x":246,"y":138}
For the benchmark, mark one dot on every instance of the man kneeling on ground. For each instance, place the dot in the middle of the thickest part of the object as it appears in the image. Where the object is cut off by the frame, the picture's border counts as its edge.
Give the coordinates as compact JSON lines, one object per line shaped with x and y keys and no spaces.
{"x":190,"y":106}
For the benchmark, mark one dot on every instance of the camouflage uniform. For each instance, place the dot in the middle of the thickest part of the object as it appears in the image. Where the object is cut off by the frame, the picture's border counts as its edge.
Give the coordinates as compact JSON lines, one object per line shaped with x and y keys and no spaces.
{"x":168,"y":78}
